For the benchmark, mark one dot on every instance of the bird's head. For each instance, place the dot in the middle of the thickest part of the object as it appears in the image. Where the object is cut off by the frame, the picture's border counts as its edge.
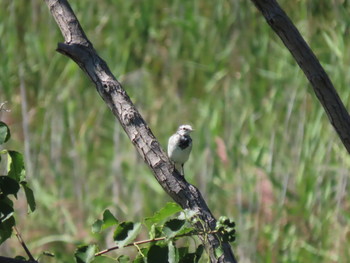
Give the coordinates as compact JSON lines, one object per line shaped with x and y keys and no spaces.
{"x":185,"y":129}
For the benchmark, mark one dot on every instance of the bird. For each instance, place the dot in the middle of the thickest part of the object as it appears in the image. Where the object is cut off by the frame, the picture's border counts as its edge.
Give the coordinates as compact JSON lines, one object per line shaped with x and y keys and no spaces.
{"x":180,"y":146}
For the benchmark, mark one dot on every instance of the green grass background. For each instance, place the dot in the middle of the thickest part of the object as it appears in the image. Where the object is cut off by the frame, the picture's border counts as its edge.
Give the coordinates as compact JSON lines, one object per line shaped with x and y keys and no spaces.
{"x":264,"y":152}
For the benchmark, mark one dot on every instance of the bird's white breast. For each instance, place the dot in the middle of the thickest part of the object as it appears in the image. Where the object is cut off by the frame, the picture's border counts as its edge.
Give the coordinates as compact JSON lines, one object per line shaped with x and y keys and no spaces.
{"x":175,"y":153}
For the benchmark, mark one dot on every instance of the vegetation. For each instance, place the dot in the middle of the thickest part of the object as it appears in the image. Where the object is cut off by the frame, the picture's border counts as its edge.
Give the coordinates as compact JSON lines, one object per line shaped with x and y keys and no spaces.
{"x":264,"y":152}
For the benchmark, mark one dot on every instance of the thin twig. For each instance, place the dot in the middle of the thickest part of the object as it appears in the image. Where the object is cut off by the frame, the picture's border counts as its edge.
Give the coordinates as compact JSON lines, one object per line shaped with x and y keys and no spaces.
{"x":152,"y":240}
{"x":130,"y":245}
{"x":21,"y":241}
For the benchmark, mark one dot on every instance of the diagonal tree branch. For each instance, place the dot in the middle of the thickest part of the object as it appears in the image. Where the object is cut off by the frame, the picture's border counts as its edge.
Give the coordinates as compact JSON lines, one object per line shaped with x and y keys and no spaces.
{"x":307,"y":61}
{"x":80,"y":49}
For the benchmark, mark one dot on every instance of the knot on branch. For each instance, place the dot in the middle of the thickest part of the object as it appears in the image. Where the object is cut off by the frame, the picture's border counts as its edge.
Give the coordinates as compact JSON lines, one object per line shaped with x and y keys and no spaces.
{"x":131,"y":116}
{"x":113,"y":86}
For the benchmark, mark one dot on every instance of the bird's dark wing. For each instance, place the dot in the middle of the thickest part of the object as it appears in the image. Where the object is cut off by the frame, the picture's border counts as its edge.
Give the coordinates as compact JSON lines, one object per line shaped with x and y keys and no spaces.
{"x":184,"y":142}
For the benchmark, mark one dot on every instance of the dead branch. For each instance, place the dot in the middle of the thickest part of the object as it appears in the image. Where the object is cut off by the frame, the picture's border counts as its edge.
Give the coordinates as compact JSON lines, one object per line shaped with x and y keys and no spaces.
{"x":307,"y":61}
{"x":80,"y":49}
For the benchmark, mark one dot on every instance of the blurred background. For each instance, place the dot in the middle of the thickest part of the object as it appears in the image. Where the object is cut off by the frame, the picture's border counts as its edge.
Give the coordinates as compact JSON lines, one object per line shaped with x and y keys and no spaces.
{"x":264,"y":151}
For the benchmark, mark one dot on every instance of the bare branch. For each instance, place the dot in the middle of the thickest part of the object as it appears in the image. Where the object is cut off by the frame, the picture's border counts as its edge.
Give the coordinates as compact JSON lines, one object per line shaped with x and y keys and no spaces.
{"x":23,"y":244}
{"x":307,"y":61}
{"x":79,"y":48}
{"x":137,"y":243}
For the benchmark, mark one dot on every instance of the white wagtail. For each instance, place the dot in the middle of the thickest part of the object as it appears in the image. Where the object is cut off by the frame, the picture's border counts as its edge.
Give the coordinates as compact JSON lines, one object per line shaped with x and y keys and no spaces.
{"x":180,"y":146}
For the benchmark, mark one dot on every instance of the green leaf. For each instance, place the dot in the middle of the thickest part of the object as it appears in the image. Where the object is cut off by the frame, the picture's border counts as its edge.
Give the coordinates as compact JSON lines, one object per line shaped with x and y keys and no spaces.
{"x":6,"y":200}
{"x":173,"y":253}
{"x":139,"y":259}
{"x":15,"y":166}
{"x":108,"y":220}
{"x":186,"y":257}
{"x":172,"y":227}
{"x":30,"y":196}
{"x":158,"y":253}
{"x":183,"y":251}
{"x":123,"y":259}
{"x":142,"y":257}
{"x":187,"y":230}
{"x":218,"y":252}
{"x":85,"y":254}
{"x":156,"y":231}
{"x":189,"y":215}
{"x":48,"y":254}
{"x":8,"y":186}
{"x":168,"y":210}
{"x":97,"y":226}
{"x":126,"y":232}
{"x":6,"y":209}
{"x":199,"y":253}
{"x":105,"y":259}
{"x":4,"y":132}
{"x":6,"y":229}
{"x":18,"y":257}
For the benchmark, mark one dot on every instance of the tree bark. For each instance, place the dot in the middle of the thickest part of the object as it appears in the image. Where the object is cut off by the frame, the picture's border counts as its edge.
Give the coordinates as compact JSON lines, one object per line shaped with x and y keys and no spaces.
{"x":307,"y":61}
{"x":80,"y":49}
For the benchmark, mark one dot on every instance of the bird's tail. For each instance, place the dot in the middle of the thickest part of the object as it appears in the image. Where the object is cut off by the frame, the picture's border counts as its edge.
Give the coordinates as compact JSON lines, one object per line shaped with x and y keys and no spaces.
{"x":179,"y":167}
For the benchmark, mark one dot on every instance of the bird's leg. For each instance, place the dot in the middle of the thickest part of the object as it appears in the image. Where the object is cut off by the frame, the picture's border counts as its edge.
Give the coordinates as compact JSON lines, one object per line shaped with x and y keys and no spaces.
{"x":182,"y":170}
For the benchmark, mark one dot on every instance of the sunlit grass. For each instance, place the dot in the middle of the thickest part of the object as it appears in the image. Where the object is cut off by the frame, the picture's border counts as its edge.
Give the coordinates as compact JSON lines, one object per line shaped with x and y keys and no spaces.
{"x":264,"y":152}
